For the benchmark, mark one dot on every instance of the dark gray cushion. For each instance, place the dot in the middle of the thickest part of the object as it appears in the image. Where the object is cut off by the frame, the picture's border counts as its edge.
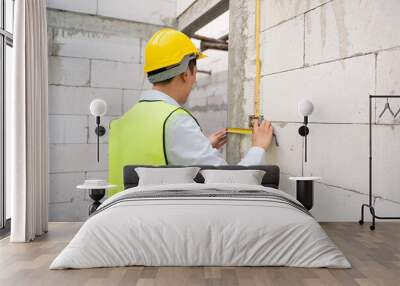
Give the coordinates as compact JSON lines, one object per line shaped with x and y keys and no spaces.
{"x":270,"y":179}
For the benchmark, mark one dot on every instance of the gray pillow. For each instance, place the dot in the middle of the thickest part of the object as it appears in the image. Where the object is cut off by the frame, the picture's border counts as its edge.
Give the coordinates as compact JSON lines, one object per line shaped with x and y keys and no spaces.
{"x":248,"y":177}
{"x":166,"y":176}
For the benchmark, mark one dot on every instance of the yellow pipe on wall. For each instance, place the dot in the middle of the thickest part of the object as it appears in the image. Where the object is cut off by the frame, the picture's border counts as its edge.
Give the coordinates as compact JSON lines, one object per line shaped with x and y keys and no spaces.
{"x":258,"y":62}
{"x":257,"y":79}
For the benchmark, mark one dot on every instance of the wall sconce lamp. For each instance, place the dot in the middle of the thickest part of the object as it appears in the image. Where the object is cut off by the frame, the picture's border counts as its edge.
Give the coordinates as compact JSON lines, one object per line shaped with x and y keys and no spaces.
{"x":305,"y":108}
{"x":98,"y":108}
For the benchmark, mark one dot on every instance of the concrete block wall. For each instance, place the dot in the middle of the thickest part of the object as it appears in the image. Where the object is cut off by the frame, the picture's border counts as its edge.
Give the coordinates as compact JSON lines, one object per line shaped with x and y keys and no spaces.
{"x":90,"y":56}
{"x":157,"y":12}
{"x":208,"y":100}
{"x":334,"y":53}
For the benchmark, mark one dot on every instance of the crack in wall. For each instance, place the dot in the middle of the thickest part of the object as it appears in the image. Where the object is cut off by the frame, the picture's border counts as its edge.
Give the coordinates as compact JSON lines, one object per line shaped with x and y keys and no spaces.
{"x":374,"y":197}
{"x":334,"y":60}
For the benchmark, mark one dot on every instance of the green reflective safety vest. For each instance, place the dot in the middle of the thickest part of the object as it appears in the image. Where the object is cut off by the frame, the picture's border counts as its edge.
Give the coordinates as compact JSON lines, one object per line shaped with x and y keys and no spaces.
{"x":138,"y":138}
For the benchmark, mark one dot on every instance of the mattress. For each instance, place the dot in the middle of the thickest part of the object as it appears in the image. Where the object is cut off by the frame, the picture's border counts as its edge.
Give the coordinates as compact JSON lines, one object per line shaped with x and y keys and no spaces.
{"x":201,"y":225}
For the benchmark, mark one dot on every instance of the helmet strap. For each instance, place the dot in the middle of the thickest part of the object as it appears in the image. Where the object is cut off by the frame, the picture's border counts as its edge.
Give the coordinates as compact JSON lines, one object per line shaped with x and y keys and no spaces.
{"x":173,"y":71}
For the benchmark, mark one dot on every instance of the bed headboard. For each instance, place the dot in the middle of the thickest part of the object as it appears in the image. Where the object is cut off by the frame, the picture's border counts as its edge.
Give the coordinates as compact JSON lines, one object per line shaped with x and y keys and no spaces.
{"x":270,"y":179}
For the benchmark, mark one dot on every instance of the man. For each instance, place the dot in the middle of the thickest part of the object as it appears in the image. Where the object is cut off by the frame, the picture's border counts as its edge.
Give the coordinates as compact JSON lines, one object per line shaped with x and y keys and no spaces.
{"x":157,"y":130}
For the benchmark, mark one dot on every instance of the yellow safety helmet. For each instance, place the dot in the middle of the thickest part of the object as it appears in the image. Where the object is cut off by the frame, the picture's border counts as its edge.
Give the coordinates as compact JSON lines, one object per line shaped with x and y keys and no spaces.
{"x":168,"y":47}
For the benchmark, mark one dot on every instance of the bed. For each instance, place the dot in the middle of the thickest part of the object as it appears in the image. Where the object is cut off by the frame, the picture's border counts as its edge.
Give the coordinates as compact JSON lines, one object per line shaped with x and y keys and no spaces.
{"x":199,"y":224}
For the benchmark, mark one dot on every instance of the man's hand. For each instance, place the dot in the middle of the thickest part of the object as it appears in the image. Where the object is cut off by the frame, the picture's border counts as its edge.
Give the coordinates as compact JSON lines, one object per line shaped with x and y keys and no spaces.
{"x":218,"y":139}
{"x":262,"y":134}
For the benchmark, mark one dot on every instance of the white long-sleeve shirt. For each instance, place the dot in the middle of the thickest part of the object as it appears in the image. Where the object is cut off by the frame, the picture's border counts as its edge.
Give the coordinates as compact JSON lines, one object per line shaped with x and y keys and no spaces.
{"x":185,"y":143}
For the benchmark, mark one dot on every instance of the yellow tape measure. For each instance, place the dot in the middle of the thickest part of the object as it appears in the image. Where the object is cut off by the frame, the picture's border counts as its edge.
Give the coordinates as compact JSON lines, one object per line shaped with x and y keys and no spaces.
{"x":246,"y":131}
{"x":239,"y":130}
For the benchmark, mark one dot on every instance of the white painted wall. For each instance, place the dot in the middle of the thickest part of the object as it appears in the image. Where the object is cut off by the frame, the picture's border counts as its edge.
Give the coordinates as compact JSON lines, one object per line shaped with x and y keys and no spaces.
{"x":334,"y":53}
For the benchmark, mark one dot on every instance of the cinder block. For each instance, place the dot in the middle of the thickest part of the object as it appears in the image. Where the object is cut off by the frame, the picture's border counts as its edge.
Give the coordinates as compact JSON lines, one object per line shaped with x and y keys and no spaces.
{"x":282,"y":47}
{"x":87,"y":6}
{"x":211,"y":121}
{"x":69,"y":212}
{"x":68,"y":129}
{"x":339,"y":154}
{"x":105,"y":121}
{"x":276,"y":12}
{"x":117,"y":75}
{"x":77,"y":158}
{"x":63,"y":187}
{"x":130,"y":98}
{"x":216,"y":78}
{"x":78,"y":42}
{"x":388,"y":72}
{"x":196,"y":100}
{"x":338,"y":90}
{"x":210,"y":89}
{"x":97,"y":175}
{"x":386,"y":158}
{"x":336,"y":204}
{"x":158,"y":12}
{"x":346,"y":28}
{"x":66,"y":202}
{"x":288,"y":156}
{"x":386,"y":208}
{"x":76,"y":100}
{"x":67,"y":20}
{"x":69,"y":71}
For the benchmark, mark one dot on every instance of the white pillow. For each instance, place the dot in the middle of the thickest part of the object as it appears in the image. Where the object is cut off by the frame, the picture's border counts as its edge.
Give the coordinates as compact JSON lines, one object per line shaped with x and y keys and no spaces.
{"x":166,"y":176}
{"x":248,"y":177}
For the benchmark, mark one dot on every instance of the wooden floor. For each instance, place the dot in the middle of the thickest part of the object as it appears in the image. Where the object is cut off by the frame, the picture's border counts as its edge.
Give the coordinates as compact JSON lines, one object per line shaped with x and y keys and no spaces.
{"x":375,"y":257}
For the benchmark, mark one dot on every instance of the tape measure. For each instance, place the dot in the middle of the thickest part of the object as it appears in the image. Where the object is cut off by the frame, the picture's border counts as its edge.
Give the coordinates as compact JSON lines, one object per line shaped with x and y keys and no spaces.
{"x":239,"y":130}
{"x":246,"y":131}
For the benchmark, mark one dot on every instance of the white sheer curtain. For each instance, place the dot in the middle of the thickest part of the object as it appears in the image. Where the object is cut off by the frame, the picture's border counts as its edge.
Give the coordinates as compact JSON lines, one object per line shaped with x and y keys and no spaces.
{"x":27,"y":123}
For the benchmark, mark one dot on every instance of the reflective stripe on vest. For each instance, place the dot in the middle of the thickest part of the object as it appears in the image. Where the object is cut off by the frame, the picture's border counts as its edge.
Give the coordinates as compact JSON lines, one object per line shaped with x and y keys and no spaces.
{"x":138,"y":138}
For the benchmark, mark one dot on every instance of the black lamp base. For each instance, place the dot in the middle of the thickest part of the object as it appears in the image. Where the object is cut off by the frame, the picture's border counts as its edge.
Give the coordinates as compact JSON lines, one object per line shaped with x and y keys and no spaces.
{"x":305,"y":193}
{"x":100,"y":130}
{"x":96,"y":195}
{"x":304,"y":131}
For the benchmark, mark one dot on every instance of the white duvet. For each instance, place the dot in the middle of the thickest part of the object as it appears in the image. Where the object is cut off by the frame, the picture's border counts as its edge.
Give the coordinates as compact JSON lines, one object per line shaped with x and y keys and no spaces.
{"x":200,"y":231}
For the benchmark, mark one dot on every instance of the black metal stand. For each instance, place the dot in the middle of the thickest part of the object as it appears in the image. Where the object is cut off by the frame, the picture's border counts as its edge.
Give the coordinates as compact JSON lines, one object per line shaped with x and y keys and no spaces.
{"x":305,"y":193}
{"x":96,"y":195}
{"x":369,"y":205}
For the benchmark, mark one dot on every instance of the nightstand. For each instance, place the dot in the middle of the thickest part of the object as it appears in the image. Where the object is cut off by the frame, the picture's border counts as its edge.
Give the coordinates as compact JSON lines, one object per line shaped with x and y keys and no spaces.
{"x":305,"y":190}
{"x":97,"y":190}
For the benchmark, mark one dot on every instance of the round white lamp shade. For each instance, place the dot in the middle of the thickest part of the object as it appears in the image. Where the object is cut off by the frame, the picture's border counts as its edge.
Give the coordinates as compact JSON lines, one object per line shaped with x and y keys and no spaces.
{"x":98,"y":107}
{"x":305,"y":107}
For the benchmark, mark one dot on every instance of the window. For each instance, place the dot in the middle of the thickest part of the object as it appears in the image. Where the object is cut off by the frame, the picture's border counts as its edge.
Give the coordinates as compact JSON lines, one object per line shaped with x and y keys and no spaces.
{"x":6,"y":64}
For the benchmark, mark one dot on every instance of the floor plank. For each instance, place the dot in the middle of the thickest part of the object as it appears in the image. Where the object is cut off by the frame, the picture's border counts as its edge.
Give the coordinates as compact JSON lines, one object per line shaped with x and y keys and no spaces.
{"x":375,"y":257}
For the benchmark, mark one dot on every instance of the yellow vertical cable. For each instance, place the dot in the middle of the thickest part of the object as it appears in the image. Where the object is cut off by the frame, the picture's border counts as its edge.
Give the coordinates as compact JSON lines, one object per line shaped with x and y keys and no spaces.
{"x":258,"y":63}
{"x":258,"y":72}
